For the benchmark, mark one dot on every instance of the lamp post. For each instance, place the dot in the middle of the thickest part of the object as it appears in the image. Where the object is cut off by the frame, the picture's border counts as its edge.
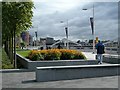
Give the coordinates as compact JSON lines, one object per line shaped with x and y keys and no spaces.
{"x":67,"y":35}
{"x":36,"y":37}
{"x":66,"y":30}
{"x":93,"y":31}
{"x":93,"y":27}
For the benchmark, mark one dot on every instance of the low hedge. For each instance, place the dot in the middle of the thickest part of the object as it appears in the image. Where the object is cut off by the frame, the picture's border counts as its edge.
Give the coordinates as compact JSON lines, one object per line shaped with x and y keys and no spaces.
{"x":55,"y":54}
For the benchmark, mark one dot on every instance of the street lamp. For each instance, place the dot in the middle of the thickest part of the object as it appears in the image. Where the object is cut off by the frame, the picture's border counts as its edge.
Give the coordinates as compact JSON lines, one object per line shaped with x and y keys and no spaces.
{"x":92,"y":19}
{"x":36,"y":37}
{"x":66,"y":30}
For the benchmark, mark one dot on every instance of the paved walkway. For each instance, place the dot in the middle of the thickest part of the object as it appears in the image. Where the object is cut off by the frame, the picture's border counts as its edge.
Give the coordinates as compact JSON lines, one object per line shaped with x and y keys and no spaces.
{"x":27,"y":80}
{"x":89,"y":55}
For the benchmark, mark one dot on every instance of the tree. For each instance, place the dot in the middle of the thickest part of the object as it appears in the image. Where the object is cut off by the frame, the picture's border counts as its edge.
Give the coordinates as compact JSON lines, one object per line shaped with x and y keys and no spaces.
{"x":16,"y":17}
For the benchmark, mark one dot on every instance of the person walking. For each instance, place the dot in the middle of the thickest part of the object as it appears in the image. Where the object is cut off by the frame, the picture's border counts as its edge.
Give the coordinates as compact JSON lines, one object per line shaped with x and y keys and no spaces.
{"x":100,"y":51}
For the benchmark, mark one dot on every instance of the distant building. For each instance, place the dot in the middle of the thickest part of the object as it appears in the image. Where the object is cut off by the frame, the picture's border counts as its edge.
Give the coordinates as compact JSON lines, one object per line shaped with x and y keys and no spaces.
{"x":42,"y":41}
{"x":30,"y":40}
{"x":63,"y":44}
{"x":36,"y":43}
{"x":45,"y":43}
{"x":47,"y":40}
{"x":25,"y":37}
{"x":86,"y":44}
{"x":111,"y":44}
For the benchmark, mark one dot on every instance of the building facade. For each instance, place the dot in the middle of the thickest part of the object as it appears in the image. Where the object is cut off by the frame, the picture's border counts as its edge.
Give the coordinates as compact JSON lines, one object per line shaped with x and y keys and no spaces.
{"x":25,"y":37}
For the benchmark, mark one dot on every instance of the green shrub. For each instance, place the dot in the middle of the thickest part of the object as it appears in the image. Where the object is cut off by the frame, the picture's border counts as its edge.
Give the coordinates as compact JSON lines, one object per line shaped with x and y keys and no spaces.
{"x":7,"y":66}
{"x":6,"y":63}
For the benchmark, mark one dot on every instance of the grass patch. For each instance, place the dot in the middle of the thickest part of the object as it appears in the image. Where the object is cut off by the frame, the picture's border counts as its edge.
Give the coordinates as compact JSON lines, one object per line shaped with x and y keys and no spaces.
{"x":23,"y":53}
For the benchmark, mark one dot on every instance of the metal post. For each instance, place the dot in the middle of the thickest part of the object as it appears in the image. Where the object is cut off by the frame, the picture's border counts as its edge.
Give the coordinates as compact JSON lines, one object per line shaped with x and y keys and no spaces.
{"x":67,"y":36}
{"x":93,"y":31}
{"x":36,"y":38}
{"x":66,"y":42}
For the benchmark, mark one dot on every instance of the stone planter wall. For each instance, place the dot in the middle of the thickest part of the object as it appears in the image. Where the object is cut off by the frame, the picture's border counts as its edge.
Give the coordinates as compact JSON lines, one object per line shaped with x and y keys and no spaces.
{"x":111,"y":59}
{"x":31,"y":65}
{"x":75,"y":72}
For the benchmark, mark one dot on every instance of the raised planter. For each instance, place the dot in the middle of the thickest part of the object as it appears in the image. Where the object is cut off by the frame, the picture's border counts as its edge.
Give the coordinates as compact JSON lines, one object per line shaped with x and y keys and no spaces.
{"x":31,"y":65}
{"x":111,"y":59}
{"x":75,"y":72}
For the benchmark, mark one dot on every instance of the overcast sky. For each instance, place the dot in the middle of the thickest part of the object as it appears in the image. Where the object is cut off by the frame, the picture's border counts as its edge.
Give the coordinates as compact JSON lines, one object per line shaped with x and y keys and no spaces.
{"x":49,"y":13}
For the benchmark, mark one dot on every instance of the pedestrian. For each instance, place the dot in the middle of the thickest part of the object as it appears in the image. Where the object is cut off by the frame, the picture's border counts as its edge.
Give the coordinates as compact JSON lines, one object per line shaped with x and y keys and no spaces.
{"x":100,"y":51}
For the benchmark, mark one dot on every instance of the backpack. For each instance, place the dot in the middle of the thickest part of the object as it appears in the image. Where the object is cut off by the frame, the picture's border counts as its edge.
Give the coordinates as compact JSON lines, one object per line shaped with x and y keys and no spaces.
{"x":100,"y":49}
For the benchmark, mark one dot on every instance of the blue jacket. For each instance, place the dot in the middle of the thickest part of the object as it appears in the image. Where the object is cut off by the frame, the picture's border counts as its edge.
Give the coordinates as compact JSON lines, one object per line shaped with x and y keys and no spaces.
{"x":100,"y":48}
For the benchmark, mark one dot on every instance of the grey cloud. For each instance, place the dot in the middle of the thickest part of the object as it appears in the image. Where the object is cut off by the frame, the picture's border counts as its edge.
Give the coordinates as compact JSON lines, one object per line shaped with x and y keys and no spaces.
{"x":78,"y":20}
{"x":107,"y":11}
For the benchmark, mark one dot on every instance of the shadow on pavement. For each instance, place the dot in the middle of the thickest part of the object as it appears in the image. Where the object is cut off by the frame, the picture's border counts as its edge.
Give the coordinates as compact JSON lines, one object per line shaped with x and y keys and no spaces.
{"x":29,"y":81}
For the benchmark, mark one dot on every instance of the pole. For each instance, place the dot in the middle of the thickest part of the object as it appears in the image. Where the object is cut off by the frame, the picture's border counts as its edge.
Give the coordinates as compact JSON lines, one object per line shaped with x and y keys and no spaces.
{"x":66,"y":42}
{"x":67,"y":36}
{"x":36,"y":37}
{"x":93,"y":31}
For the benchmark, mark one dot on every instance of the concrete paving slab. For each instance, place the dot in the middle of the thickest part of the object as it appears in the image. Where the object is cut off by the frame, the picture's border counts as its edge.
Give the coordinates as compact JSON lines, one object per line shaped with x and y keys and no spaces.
{"x":27,"y":80}
{"x":89,"y":55}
